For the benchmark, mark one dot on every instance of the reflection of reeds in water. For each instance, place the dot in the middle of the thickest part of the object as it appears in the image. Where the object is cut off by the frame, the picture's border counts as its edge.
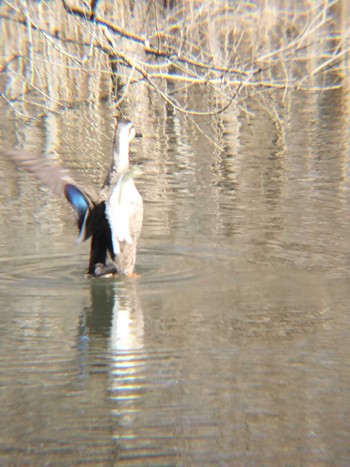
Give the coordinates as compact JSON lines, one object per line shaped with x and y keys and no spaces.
{"x":59,"y":53}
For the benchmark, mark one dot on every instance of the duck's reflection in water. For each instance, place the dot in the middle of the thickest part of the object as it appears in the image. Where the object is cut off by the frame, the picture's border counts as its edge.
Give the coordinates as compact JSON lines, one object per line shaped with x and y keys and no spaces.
{"x":128,"y":363}
{"x":127,"y":328}
{"x":134,"y":373}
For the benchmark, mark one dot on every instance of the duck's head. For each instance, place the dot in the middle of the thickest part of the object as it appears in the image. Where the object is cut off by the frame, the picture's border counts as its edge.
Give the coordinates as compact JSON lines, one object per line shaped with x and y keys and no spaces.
{"x":124,"y":132}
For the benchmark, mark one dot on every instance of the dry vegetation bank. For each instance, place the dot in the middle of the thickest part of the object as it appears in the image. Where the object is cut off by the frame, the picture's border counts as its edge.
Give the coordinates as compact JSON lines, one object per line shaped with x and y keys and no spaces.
{"x":57,"y":52}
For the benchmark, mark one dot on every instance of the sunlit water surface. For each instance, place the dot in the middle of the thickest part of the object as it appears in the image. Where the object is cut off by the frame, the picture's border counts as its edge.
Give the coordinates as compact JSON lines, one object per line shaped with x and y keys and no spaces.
{"x":233,"y":345}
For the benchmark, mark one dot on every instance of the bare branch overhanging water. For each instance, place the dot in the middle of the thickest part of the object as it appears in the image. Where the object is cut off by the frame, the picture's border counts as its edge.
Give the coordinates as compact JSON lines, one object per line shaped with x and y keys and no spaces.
{"x":228,"y":49}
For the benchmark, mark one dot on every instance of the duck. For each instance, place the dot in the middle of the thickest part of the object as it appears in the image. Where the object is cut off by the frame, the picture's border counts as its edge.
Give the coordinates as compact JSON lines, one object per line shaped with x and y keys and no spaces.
{"x":111,"y":216}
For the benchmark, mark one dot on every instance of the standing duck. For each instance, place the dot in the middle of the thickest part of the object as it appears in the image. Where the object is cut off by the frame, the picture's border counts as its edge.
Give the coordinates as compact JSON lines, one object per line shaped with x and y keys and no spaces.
{"x":112,"y":217}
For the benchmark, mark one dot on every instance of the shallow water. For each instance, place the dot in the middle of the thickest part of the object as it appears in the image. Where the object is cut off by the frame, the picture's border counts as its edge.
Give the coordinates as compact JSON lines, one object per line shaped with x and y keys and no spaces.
{"x":232,"y":347}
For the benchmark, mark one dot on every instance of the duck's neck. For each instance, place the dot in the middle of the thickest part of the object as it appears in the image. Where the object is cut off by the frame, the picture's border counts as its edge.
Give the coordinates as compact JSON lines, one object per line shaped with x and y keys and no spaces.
{"x":121,"y":156}
{"x":120,"y":163}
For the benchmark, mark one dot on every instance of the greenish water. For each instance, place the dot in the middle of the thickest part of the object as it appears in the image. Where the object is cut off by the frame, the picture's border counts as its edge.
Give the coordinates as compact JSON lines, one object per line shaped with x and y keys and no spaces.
{"x":232,"y":347}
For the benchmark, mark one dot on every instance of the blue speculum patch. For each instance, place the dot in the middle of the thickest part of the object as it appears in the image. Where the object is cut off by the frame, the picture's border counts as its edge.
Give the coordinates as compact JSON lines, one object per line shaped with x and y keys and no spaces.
{"x":77,"y":199}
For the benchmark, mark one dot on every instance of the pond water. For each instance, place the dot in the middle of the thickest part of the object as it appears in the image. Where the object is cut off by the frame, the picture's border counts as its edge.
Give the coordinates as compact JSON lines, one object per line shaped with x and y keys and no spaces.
{"x":232,"y":348}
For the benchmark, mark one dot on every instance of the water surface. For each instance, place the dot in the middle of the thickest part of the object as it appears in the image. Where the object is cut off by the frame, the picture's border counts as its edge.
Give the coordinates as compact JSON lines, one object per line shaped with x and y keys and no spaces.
{"x":232,"y":347}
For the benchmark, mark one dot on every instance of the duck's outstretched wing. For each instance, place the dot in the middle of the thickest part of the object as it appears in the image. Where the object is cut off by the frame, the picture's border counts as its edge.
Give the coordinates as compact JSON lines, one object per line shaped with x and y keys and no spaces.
{"x":61,"y":182}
